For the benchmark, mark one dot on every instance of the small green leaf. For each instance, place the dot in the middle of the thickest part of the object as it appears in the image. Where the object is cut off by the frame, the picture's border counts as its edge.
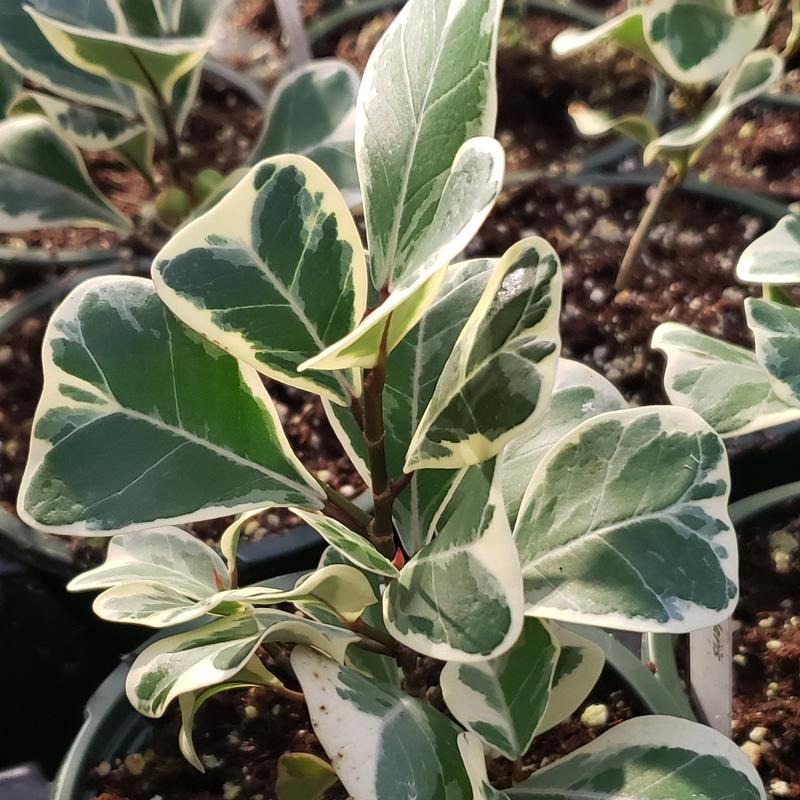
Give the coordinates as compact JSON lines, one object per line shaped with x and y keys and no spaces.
{"x":579,"y":394}
{"x":45,"y":182}
{"x":776,"y":328}
{"x":352,"y":546}
{"x":303,"y":776}
{"x":229,"y":541}
{"x":504,"y":699}
{"x":273,"y":296}
{"x":498,"y":379}
{"x":460,"y":597}
{"x":195,"y":434}
{"x":625,"y":525}
{"x":385,"y":744}
{"x":774,"y":257}
{"x":649,"y":758}
{"x":723,"y":383}
{"x":625,"y":30}
{"x":593,"y":123}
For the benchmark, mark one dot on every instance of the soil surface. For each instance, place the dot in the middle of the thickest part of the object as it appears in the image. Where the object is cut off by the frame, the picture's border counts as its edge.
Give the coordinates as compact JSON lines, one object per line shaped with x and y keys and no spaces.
{"x":686,"y":273}
{"x":240,"y":735}
{"x":219,"y":133}
{"x":767,"y":647}
{"x":534,"y":89}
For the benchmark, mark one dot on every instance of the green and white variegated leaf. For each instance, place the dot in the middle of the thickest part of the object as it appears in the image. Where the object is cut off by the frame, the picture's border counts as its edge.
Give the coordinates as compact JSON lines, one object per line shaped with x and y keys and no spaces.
{"x":102,"y":15}
{"x":383,"y":744}
{"x":215,"y":653}
{"x":468,"y":195}
{"x":168,"y":556}
{"x":10,"y":86}
{"x":195,"y":435}
{"x":649,"y":758}
{"x":140,"y":62}
{"x":253,"y":674}
{"x":625,"y":525}
{"x":311,"y":112}
{"x":774,"y":257}
{"x":460,"y":597}
{"x":229,"y":541}
{"x":580,"y":663}
{"x":625,"y":30}
{"x":723,"y":383}
{"x":474,"y":759}
{"x":498,"y":379}
{"x":428,"y":88}
{"x":272,"y":295}
{"x":45,"y":182}
{"x":754,"y":76}
{"x":593,"y":123}
{"x":138,"y":152}
{"x":776,"y":329}
{"x":352,"y":546}
{"x":88,"y":128}
{"x":696,"y":41}
{"x":412,"y":370}
{"x":303,"y":776}
{"x":579,"y":394}
{"x":25,"y":48}
{"x":503,"y":699}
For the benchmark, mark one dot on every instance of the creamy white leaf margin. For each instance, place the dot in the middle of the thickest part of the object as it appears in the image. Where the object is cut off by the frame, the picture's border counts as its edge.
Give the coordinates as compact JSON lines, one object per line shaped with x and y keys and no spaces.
{"x":773,"y":257}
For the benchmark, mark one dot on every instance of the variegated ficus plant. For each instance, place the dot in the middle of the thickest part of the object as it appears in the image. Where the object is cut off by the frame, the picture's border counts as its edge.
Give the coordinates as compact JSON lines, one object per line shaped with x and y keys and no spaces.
{"x":515,"y":497}
{"x":735,"y":390}
{"x":120,"y":76}
{"x":696,"y":45}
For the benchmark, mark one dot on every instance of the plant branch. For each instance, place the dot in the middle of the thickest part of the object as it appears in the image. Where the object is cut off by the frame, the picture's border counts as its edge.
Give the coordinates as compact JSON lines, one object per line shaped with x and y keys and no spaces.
{"x":399,"y":484}
{"x":668,"y":182}
{"x":355,"y":516}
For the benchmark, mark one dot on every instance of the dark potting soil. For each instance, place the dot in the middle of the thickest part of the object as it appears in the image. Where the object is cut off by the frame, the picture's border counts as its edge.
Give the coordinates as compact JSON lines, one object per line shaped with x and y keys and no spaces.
{"x":534,"y":89}
{"x":240,"y":736}
{"x":767,"y":647}
{"x":686,"y":274}
{"x":302,"y":416}
{"x":219,"y":133}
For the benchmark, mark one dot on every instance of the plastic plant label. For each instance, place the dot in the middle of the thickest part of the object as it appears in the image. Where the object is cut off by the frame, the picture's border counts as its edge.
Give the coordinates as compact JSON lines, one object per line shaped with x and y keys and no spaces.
{"x":711,"y":672}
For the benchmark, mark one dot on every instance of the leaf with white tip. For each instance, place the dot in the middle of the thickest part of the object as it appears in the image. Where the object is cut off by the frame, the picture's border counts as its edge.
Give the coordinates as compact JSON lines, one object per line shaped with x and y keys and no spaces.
{"x":168,"y":556}
{"x":774,"y":257}
{"x":215,"y":653}
{"x":504,"y":699}
{"x":498,"y":379}
{"x":579,"y":394}
{"x":649,"y":758}
{"x":311,"y":112}
{"x":303,"y":776}
{"x":352,"y":546}
{"x":474,"y":759}
{"x":229,"y":541}
{"x":758,"y":71}
{"x":45,"y":182}
{"x":429,"y":86}
{"x":593,"y":123}
{"x":625,"y":525}
{"x":385,"y":745}
{"x":141,"y":62}
{"x":272,"y":295}
{"x":412,"y":370}
{"x":625,"y":30}
{"x":195,"y":434}
{"x":723,"y":383}
{"x":460,"y":597}
{"x":472,"y":186}
{"x":580,"y":663}
{"x":776,"y":329}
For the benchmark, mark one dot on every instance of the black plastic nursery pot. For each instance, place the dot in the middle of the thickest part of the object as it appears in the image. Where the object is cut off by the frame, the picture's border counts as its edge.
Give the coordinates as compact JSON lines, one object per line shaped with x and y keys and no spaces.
{"x":112,"y":729}
{"x":335,"y":21}
{"x":31,"y":258}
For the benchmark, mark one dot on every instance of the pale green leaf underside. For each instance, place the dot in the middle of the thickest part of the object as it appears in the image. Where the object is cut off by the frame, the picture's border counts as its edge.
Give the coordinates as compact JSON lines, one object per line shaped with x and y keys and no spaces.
{"x":45,"y":183}
{"x":498,"y":379}
{"x":625,"y":525}
{"x":303,"y":776}
{"x":593,"y":123}
{"x":471,"y":188}
{"x":649,"y":758}
{"x":723,"y":383}
{"x":504,"y":699}
{"x":273,"y":295}
{"x":382,"y":742}
{"x":460,"y":597}
{"x":579,"y":394}
{"x":428,"y":88}
{"x":773,"y":257}
{"x":194,"y":433}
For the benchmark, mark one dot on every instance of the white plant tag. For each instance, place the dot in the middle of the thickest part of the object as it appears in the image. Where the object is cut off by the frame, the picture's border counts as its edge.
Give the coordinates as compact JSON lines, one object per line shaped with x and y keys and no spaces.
{"x":711,"y":673}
